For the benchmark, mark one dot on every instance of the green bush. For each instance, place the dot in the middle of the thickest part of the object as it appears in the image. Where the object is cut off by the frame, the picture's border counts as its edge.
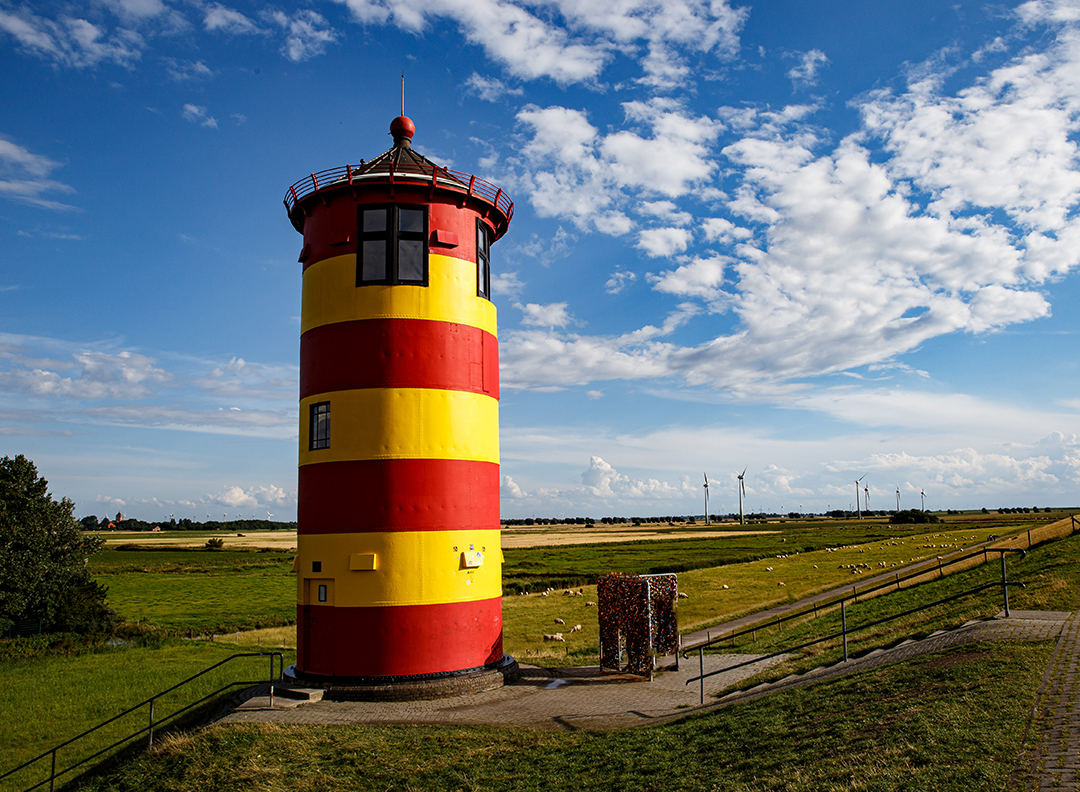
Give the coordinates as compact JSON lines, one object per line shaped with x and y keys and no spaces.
{"x":911,"y":516}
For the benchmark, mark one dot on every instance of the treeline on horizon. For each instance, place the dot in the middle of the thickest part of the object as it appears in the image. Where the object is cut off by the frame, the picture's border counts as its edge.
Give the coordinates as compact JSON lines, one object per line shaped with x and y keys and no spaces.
{"x":837,"y":514}
{"x":92,"y":523}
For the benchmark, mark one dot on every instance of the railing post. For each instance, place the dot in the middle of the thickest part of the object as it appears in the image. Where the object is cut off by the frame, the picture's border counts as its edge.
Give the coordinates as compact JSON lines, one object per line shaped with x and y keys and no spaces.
{"x":701,"y":671}
{"x":843,"y":626}
{"x":271,"y":681}
{"x":52,"y":772}
{"x":151,"y":741}
{"x":678,"y":653}
{"x":1004,"y":585}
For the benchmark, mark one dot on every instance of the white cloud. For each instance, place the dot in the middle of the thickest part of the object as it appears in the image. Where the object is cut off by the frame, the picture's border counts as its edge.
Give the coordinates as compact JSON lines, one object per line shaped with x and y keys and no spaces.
{"x":72,"y":42}
{"x":569,"y":170}
{"x":125,"y":375}
{"x":806,"y":73}
{"x":553,"y":315}
{"x":663,"y":242}
{"x":576,"y":47}
{"x":182,"y":71}
{"x":218,"y":18}
{"x":619,"y":281}
{"x":308,"y":34}
{"x":702,"y":277}
{"x":236,"y":497}
{"x":198,"y":115}
{"x":489,"y":89}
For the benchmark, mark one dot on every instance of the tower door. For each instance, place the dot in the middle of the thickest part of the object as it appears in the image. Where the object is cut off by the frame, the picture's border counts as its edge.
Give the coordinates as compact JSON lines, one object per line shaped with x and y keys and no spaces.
{"x":319,"y":635}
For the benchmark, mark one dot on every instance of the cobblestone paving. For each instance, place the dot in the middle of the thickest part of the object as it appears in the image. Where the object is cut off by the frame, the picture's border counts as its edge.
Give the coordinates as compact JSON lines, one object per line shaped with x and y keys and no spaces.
{"x":583,"y":698}
{"x":1050,"y":761}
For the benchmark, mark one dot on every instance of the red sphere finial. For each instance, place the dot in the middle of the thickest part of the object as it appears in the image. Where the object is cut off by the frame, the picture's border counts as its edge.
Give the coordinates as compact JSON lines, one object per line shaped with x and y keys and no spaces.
{"x":402,"y":127}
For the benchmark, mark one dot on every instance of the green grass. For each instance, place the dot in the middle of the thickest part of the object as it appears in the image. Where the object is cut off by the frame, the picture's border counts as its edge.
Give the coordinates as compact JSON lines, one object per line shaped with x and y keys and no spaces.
{"x":204,"y":602}
{"x":537,"y":568}
{"x":1050,"y":572}
{"x":50,"y":699}
{"x":941,"y":723}
{"x":180,"y":590}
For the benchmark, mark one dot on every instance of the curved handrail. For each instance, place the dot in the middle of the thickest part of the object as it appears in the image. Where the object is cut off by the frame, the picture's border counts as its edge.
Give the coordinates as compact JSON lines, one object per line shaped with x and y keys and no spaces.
{"x":444,"y":178}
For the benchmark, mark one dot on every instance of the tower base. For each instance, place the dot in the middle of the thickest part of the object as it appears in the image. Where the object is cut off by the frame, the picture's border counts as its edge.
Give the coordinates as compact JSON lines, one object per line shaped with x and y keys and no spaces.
{"x":416,"y":687}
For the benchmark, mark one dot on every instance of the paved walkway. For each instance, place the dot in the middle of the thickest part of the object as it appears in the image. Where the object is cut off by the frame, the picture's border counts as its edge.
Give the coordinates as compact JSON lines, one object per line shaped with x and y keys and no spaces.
{"x":583,"y":698}
{"x":1050,"y":756}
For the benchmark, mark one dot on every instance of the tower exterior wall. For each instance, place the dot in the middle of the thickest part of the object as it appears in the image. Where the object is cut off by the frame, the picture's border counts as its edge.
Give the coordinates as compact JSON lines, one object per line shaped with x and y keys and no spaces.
{"x":399,"y":559}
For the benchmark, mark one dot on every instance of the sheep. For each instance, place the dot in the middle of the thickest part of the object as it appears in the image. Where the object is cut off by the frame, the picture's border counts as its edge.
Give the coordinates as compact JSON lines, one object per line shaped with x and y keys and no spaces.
{"x":590,"y":604}
{"x":725,"y":587}
{"x":555,"y":637}
{"x":683,"y":595}
{"x":559,"y":621}
{"x":780,"y":584}
{"x":575,"y":628}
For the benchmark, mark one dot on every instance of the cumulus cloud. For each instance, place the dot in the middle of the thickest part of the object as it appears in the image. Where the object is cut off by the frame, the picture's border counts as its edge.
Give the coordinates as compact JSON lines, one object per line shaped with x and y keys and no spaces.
{"x":553,"y":315}
{"x":663,"y":242}
{"x":573,"y":42}
{"x":830,"y":256}
{"x":236,"y":497}
{"x":184,"y":71}
{"x":572,"y":171}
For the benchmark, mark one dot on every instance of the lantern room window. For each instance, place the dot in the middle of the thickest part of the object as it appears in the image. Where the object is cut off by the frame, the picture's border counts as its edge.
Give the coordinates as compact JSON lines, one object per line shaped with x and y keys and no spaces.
{"x":392,"y":245}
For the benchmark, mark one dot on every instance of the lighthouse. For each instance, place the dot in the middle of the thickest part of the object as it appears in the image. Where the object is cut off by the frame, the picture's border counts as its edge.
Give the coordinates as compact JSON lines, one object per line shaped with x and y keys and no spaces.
{"x":399,"y":579}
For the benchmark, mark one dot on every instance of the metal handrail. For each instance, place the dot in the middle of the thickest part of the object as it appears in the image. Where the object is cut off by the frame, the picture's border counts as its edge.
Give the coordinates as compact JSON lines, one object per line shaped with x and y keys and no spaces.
{"x":348,"y":175}
{"x":917,"y":572}
{"x":149,"y":729}
{"x":845,"y":630}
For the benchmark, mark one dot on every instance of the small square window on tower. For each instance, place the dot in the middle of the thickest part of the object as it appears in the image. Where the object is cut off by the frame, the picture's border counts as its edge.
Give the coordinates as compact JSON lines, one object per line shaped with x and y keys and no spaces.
{"x":483,"y":260}
{"x":319,"y":431}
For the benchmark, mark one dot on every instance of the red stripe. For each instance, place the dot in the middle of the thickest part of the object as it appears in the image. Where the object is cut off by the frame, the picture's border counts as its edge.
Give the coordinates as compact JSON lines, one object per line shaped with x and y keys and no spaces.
{"x":330,"y":230}
{"x":398,"y":495}
{"x":398,"y":641}
{"x":398,"y":353}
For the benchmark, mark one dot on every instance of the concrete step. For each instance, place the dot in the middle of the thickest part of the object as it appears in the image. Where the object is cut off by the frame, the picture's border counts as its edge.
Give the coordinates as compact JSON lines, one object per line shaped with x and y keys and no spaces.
{"x":298,"y":693}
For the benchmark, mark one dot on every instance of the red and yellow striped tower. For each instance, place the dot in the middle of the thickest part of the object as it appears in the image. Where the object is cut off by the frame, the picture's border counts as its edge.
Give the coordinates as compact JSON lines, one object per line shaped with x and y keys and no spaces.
{"x":399,"y":575}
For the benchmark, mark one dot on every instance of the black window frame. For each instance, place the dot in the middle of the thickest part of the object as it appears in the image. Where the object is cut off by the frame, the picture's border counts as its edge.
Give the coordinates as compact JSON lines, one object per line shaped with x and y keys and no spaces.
{"x":483,"y":260}
{"x":318,"y":431}
{"x":394,"y":236}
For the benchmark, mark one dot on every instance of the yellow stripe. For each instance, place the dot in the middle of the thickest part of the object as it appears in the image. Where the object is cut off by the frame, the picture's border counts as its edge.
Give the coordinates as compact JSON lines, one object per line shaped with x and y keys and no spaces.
{"x":404,"y":423}
{"x":411,"y":567}
{"x":331,"y":295}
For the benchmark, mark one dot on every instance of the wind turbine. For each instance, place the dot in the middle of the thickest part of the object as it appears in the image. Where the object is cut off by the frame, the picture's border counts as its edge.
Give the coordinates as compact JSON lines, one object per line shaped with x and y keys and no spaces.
{"x":857,"y":507}
{"x":898,"y":497}
{"x":706,"y":498}
{"x":922,"y":495}
{"x":742,"y":492}
{"x":866,"y":492}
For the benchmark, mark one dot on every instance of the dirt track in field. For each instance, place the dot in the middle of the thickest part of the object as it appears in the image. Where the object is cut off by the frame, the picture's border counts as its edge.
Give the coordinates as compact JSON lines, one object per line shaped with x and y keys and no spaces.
{"x":511,"y":538}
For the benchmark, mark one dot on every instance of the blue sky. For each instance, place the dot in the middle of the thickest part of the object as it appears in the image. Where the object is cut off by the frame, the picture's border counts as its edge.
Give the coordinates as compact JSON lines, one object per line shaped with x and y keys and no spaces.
{"x":812,"y":240}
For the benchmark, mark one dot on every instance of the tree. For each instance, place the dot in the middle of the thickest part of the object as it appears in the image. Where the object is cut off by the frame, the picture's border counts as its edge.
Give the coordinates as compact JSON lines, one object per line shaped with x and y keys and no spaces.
{"x":44,"y":557}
